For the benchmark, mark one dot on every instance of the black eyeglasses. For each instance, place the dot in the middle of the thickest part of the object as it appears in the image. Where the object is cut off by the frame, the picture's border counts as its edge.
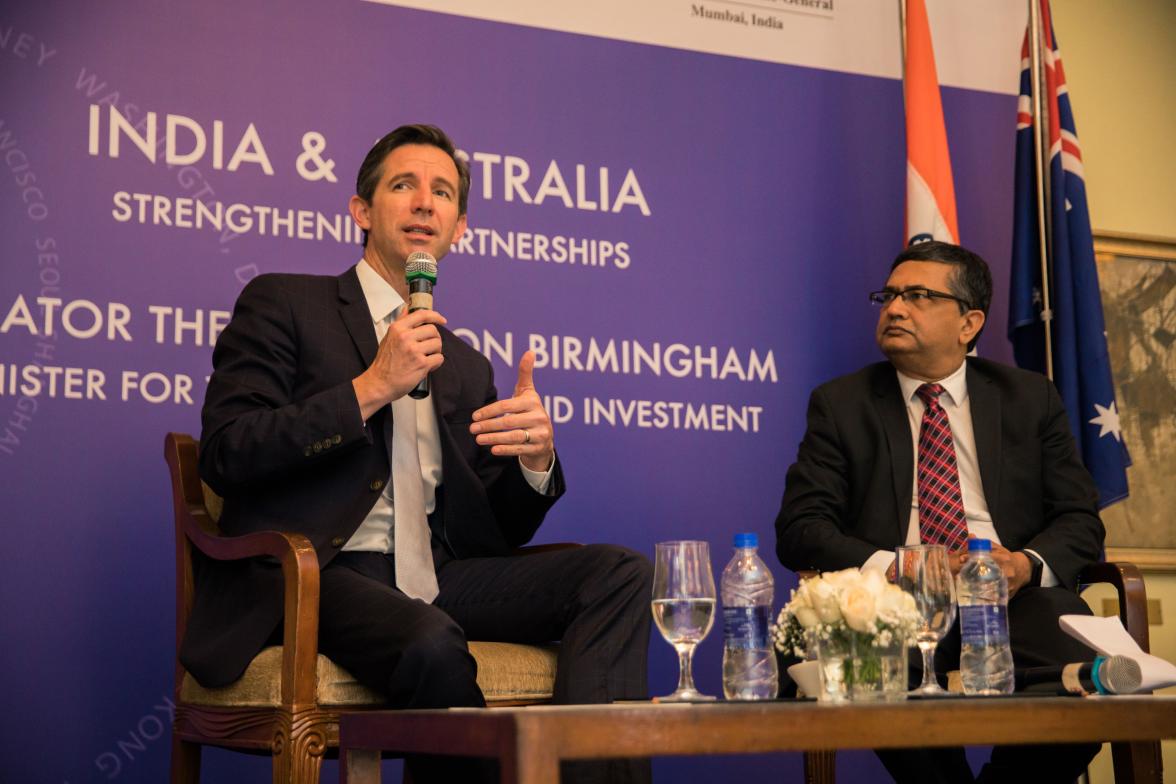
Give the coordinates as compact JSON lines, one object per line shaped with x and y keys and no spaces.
{"x":917,"y":297}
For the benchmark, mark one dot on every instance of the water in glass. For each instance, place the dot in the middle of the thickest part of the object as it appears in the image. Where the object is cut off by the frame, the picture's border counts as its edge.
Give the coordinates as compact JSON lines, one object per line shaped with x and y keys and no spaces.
{"x":683,"y":606}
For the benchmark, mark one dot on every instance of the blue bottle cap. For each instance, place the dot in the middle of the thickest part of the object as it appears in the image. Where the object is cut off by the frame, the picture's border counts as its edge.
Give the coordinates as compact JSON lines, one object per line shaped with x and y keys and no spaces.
{"x":979,"y":545}
{"x":746,"y":540}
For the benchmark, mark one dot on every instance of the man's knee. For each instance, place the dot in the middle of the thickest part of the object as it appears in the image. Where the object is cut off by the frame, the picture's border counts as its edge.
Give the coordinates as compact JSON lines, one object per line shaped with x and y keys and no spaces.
{"x":435,"y":668}
{"x":1055,"y":600}
{"x":622,"y":567}
{"x":1036,"y":638}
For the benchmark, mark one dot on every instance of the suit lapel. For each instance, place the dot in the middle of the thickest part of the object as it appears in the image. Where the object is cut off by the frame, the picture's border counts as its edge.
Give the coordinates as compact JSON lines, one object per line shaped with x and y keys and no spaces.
{"x":356,"y":315}
{"x":445,"y":381}
{"x":984,"y":400}
{"x":444,"y":389}
{"x":892,"y":411}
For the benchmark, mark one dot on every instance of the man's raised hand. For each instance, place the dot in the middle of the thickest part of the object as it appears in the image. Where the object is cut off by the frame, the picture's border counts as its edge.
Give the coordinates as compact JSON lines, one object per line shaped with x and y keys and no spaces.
{"x":518,"y":425}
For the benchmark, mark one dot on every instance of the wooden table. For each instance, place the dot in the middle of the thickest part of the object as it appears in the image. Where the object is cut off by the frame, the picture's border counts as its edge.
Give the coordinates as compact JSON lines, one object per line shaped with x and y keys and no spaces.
{"x":530,"y":742}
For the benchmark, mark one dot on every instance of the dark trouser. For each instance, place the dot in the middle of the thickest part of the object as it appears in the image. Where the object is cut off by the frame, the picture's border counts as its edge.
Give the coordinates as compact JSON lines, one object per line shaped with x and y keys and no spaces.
{"x":593,"y":599}
{"x":1036,"y":641}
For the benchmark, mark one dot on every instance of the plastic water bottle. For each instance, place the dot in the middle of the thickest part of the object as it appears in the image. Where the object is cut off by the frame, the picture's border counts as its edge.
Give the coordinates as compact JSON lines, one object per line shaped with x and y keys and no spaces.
{"x":986,"y":661}
{"x":749,"y":660}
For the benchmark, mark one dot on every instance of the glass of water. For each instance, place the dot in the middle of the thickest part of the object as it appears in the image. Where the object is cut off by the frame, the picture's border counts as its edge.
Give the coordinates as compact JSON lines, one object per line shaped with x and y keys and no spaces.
{"x":923,"y":572}
{"x":683,"y":606}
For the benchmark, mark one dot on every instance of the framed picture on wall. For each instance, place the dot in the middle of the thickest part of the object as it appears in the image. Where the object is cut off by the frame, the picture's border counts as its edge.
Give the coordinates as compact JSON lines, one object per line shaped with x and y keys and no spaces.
{"x":1137,"y":276}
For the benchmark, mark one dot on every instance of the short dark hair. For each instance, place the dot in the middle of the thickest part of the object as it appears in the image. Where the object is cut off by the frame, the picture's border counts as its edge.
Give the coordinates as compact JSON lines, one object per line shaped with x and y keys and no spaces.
{"x":372,"y":167}
{"x":971,"y":280}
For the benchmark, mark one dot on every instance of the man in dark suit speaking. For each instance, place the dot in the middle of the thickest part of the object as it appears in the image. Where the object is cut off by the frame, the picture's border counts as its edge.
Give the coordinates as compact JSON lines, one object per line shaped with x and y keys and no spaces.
{"x":413,"y":506}
{"x":852,"y":495}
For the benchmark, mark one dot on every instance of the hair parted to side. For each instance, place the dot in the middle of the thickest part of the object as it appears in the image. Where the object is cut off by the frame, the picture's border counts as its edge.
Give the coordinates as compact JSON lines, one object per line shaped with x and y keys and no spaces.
{"x":372,"y":167}
{"x":971,"y":280}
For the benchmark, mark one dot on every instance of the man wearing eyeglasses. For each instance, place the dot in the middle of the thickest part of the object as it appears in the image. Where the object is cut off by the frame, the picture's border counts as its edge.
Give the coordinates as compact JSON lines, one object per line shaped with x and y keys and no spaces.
{"x":934,"y":446}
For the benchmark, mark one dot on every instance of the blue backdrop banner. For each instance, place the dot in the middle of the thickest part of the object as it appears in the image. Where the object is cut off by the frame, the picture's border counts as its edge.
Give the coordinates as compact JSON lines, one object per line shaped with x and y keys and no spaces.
{"x":685,"y":237}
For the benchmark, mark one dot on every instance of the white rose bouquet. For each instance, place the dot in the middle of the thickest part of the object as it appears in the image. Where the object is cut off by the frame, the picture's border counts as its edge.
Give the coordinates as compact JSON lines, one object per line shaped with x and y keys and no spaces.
{"x":839,"y":604}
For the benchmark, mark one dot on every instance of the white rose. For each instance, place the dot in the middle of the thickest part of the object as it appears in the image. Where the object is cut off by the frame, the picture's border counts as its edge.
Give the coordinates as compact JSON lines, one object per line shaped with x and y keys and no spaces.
{"x":910,"y":611}
{"x":823,"y":597}
{"x":892,"y":604}
{"x":908,"y":604}
{"x":843,"y":579}
{"x":874,"y":581}
{"x":807,"y":617}
{"x":858,"y":607}
{"x":800,"y":596}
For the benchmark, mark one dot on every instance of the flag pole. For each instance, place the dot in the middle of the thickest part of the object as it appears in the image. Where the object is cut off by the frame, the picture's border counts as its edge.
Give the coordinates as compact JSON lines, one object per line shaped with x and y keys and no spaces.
{"x":902,"y":12}
{"x":1040,"y":137}
{"x":902,"y":36}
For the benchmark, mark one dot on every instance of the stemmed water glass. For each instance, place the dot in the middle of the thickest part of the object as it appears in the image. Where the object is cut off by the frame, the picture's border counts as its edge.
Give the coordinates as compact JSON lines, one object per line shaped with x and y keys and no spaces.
{"x":922,"y":570}
{"x":683,"y":606}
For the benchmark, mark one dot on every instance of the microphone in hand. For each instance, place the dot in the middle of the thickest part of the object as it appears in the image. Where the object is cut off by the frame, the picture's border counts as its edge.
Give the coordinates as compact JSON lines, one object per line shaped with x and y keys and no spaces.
{"x":421,"y":271}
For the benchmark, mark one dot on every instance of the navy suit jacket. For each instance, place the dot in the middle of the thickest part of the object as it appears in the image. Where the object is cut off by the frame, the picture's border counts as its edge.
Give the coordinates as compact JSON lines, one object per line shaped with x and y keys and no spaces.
{"x":284,"y":443}
{"x":848,"y":494}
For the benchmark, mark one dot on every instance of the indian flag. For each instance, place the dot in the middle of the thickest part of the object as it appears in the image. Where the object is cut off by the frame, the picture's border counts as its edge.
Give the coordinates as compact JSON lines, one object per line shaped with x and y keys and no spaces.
{"x":930,"y":202}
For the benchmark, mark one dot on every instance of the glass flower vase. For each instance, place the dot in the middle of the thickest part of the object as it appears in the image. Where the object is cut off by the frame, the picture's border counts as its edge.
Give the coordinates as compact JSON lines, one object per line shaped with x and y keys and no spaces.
{"x":857,"y":667}
{"x":835,"y":666}
{"x":878,"y":668}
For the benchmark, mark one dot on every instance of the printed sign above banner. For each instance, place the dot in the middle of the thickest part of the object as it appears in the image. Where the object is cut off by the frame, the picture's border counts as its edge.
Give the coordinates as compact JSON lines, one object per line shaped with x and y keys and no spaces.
{"x":854,"y":36}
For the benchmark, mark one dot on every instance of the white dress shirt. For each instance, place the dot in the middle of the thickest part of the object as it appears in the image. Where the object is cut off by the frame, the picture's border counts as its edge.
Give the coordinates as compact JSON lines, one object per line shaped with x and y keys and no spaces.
{"x":376,"y":533}
{"x":956,"y":405}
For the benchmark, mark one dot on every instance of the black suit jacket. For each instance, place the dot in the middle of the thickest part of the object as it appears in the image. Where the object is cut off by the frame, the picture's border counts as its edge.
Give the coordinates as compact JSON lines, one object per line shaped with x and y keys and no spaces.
{"x":285,"y":445}
{"x":848,"y":494}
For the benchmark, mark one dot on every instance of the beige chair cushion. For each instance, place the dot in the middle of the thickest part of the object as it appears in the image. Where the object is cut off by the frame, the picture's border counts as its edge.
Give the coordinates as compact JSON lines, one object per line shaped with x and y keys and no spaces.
{"x":506,"y":672}
{"x":213,"y":503}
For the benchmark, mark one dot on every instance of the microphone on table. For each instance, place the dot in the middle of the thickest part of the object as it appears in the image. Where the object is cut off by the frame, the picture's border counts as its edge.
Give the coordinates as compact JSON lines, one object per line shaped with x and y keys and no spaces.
{"x":421,"y":272}
{"x":1104,"y":675}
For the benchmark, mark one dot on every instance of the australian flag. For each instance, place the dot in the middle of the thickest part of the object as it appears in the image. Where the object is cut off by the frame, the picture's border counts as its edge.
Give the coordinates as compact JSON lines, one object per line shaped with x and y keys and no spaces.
{"x":1081,"y":365}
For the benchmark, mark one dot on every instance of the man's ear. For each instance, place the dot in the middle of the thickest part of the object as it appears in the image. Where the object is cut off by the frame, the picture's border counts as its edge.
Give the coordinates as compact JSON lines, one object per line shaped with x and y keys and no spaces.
{"x":973,"y":323}
{"x":460,"y":228}
{"x":360,"y":212}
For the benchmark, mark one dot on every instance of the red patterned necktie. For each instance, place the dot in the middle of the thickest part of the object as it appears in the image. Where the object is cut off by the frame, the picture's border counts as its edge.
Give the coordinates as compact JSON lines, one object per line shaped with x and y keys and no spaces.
{"x":941,"y":504}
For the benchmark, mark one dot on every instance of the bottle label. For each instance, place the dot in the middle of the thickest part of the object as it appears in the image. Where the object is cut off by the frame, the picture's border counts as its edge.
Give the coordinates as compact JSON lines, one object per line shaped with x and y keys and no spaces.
{"x":983,"y":624}
{"x":746,"y":627}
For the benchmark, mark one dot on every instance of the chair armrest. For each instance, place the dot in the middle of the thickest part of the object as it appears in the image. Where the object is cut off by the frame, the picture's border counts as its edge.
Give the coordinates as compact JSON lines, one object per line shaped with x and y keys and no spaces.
{"x":300,"y":569}
{"x":1128,"y":583}
{"x":1138,"y":761}
{"x":278,"y":544}
{"x":300,"y":577}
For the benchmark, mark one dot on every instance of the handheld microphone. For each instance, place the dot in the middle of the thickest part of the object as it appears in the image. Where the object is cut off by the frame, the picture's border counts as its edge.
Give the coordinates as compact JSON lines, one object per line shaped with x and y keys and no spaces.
{"x":1104,"y":675}
{"x":421,"y":272}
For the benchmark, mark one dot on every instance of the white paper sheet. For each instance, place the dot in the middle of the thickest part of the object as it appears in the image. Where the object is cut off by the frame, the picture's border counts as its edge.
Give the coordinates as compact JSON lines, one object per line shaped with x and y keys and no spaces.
{"x":1108,"y":637}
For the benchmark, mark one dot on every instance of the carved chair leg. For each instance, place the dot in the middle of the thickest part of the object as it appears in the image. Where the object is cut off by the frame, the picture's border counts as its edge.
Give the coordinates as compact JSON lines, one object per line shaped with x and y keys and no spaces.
{"x":298,"y":749}
{"x":295,"y":766}
{"x":185,"y":762}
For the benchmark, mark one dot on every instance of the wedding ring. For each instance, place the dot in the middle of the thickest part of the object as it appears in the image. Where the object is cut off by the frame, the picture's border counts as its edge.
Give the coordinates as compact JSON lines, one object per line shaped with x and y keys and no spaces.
{"x":526,"y":436}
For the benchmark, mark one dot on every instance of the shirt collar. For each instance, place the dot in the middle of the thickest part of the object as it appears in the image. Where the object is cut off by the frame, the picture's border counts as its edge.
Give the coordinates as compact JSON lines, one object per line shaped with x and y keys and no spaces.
{"x":954,"y":386}
{"x":382,"y":299}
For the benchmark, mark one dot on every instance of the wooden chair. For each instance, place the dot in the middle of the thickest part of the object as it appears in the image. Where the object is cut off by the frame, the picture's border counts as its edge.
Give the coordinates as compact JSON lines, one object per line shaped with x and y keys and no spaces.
{"x":1133,"y":762}
{"x":288,"y":702}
